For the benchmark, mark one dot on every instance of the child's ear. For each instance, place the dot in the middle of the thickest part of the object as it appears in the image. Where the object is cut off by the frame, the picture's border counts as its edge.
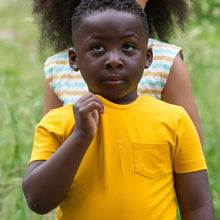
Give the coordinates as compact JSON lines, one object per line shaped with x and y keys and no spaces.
{"x":73,"y":59}
{"x":149,"y":56}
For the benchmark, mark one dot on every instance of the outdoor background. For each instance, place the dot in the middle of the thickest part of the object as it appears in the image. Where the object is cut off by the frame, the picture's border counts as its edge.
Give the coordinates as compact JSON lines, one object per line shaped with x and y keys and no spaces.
{"x":22,"y":84}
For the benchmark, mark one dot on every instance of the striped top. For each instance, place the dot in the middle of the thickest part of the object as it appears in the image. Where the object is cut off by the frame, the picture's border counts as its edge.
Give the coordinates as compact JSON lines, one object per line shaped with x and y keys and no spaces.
{"x":69,"y":85}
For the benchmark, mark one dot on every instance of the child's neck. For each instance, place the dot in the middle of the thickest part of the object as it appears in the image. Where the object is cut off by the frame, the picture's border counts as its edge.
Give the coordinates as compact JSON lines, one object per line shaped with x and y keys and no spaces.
{"x":115,"y":98}
{"x":123,"y":100}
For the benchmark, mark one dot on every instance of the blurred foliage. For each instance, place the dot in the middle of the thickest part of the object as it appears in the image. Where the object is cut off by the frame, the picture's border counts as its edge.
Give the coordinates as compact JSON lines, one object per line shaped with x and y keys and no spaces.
{"x":207,"y":9}
{"x":22,"y":82}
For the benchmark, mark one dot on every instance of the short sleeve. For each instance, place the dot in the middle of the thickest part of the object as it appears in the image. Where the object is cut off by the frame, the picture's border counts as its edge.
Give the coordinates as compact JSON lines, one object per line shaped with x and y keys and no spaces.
{"x":48,"y":137}
{"x":188,"y":155}
{"x":155,"y":77}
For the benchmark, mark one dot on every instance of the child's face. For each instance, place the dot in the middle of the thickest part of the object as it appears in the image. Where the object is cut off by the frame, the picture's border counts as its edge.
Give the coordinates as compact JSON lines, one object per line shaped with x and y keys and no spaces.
{"x":111,"y":53}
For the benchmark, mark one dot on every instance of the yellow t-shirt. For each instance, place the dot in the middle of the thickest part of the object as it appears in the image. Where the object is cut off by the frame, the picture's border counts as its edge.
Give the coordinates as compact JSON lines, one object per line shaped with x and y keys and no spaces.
{"x":127,"y":172}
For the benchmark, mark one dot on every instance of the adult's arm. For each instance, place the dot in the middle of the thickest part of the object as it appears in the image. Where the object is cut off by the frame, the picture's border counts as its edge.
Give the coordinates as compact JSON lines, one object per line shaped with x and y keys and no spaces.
{"x":51,"y":101}
{"x":193,"y":195}
{"x":178,"y":91}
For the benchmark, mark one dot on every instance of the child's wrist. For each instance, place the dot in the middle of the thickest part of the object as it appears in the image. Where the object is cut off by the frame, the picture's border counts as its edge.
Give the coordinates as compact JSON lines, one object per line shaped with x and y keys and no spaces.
{"x":78,"y":134}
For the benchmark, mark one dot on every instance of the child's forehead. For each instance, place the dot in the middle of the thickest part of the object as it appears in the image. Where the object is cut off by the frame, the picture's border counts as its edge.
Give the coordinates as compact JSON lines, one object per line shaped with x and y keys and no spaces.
{"x":111,"y":17}
{"x":110,"y":24}
{"x":110,"y":11}
{"x":105,"y":11}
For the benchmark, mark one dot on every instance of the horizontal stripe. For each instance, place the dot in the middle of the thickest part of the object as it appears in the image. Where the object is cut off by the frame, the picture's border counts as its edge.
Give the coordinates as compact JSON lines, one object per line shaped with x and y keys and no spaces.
{"x":155,"y":42}
{"x":148,"y":91}
{"x":155,"y":74}
{"x":62,"y":54}
{"x":165,"y":52}
{"x":156,"y":45}
{"x":162,"y":62}
{"x":160,"y":66}
{"x":163,"y":58}
{"x":150,"y":87}
{"x":151,"y":83}
{"x":57,"y":62}
{"x":79,"y":93}
{"x":58,"y":69}
{"x":69,"y":84}
{"x":66,"y":76}
{"x":154,"y":82}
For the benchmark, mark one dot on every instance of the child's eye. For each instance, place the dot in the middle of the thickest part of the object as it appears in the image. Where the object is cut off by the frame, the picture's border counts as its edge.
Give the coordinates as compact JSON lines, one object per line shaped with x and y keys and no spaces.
{"x":128,"y":47}
{"x":98,"y":48}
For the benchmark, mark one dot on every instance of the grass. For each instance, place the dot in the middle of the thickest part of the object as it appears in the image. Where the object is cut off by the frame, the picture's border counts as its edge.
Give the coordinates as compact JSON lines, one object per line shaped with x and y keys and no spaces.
{"x":21,"y":88}
{"x":21,"y":100}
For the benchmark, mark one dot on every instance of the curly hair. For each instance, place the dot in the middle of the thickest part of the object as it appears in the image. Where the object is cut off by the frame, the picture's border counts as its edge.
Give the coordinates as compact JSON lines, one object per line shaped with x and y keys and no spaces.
{"x":54,"y":20}
{"x":88,"y":7}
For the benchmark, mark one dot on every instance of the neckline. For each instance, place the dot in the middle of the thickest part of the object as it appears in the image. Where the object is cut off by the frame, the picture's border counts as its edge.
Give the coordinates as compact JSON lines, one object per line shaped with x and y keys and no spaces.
{"x":119,"y":106}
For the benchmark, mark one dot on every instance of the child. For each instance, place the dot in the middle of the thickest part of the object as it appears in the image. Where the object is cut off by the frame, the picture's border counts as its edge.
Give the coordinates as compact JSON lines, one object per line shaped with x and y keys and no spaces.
{"x":119,"y":155}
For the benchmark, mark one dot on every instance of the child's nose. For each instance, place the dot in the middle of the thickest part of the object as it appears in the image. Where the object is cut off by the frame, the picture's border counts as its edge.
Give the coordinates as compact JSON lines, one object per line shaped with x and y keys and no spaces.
{"x":113,"y":60}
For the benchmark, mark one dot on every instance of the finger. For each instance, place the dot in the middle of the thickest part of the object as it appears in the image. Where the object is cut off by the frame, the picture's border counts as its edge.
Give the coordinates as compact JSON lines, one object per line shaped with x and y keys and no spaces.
{"x":85,"y":97}
{"x":96,"y":100}
{"x":87,"y":100}
{"x":90,"y":106}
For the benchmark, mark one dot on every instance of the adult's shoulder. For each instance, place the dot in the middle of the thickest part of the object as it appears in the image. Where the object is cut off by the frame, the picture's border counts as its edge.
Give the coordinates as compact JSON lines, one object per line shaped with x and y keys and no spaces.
{"x":57,"y":65}
{"x":164,"y":48}
{"x":60,"y":56}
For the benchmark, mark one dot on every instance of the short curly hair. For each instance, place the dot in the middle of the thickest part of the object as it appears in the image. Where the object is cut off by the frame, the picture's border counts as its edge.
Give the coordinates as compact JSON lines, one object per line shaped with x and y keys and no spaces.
{"x":54,"y":20}
{"x":88,"y":7}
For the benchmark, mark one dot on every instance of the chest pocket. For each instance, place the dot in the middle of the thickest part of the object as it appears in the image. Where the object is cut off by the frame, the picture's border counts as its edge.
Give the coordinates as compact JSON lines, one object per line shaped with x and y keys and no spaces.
{"x":152,"y":160}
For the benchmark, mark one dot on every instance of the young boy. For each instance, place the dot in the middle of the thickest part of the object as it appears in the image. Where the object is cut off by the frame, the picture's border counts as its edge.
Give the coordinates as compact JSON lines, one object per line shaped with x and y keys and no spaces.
{"x":114,"y":154}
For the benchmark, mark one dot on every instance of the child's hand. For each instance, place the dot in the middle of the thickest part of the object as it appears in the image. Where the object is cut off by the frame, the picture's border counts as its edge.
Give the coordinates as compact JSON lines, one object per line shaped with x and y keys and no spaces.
{"x":86,"y":112}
